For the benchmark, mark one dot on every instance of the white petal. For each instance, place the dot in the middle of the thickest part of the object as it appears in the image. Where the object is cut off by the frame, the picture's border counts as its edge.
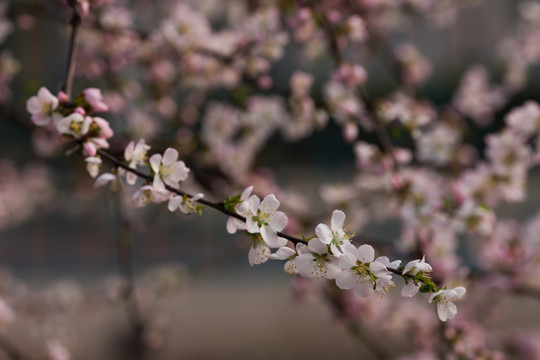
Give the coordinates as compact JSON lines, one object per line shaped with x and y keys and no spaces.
{"x":254,"y":203}
{"x":158,"y":184}
{"x":378,"y":269}
{"x":245,"y":194}
{"x":155,"y":162}
{"x":282,"y":241}
{"x":347,"y":261}
{"x":252,"y":226}
{"x":434,"y":295}
{"x":45,"y":95}
{"x":351,"y":249}
{"x":170,"y":156}
{"x":304,"y":264}
{"x":338,"y":218}
{"x":317,"y":246}
{"x":278,"y":221}
{"x":386,"y":261}
{"x":269,"y":204}
{"x":458,"y":292}
{"x":269,"y":236}
{"x":180,"y":171}
{"x":234,"y":224}
{"x":131,"y":178}
{"x":346,"y":279}
{"x":409,"y":289}
{"x":258,"y":254}
{"x":174,"y":202}
{"x":333,"y":268}
{"x":33,"y":105}
{"x":283,"y":253}
{"x":324,"y":233}
{"x":364,"y":288}
{"x":446,"y":311}
{"x":410,"y":265}
{"x":366,"y":253}
{"x":128,"y":152}
{"x":103,"y":179}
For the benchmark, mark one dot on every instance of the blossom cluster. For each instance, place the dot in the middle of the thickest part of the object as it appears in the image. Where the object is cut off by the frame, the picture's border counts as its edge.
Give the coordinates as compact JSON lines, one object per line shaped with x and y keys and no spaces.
{"x":328,"y":255}
{"x":331,"y":255}
{"x":74,"y":121}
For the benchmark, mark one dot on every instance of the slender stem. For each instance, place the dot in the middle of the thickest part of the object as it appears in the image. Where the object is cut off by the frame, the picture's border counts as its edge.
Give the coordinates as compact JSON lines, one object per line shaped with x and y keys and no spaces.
{"x":383,"y":137}
{"x":124,"y":247}
{"x":217,"y":206}
{"x":72,"y":51}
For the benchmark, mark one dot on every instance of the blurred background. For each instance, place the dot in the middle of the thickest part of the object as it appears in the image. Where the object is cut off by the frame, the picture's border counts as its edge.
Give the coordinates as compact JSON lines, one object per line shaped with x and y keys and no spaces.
{"x":198,"y":294}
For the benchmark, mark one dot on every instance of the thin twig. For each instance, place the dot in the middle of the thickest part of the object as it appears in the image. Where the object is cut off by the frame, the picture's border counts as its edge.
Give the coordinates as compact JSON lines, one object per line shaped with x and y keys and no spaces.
{"x":217,"y":206}
{"x":72,"y":51}
{"x":124,"y":246}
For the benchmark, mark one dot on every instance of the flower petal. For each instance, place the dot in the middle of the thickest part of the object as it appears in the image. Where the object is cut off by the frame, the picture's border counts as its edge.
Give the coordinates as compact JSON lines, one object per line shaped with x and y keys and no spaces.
{"x":338,"y":218}
{"x":366,"y":253}
{"x":155,"y":162}
{"x":346,"y":279}
{"x":278,"y":221}
{"x":324,"y":233}
{"x":317,"y":246}
{"x":170,"y":156}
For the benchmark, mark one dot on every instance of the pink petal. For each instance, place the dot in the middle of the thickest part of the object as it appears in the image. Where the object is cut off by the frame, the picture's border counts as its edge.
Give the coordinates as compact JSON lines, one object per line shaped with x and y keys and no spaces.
{"x":170,"y":156}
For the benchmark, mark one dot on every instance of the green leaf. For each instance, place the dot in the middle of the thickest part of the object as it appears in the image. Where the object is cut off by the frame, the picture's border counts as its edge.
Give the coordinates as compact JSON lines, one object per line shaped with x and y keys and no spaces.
{"x":425,"y":288}
{"x":231,"y":202}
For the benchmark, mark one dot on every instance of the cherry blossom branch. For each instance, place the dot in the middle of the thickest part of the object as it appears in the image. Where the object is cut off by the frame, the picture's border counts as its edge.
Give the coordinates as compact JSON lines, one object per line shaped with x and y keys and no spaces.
{"x":72,"y":51}
{"x":419,"y":277}
{"x":383,"y":137}
{"x":217,"y":206}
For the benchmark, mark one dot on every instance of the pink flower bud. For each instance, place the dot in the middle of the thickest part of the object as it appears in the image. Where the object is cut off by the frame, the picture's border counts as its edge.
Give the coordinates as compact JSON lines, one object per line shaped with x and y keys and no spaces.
{"x":62,"y":96}
{"x":80,"y":110}
{"x":94,"y":98}
{"x":106,"y":131}
{"x":89,"y":148}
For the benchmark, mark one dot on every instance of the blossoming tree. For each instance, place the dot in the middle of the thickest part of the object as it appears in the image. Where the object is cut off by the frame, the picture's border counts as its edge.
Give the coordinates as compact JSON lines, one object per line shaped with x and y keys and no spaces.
{"x":205,"y":72}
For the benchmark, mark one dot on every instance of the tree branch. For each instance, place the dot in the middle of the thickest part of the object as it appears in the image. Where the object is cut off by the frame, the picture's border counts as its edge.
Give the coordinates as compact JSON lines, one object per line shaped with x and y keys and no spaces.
{"x":72,"y":51}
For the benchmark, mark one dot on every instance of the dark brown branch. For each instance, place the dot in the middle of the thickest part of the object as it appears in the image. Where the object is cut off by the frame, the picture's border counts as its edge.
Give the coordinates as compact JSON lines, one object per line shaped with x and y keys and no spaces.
{"x":217,"y":206}
{"x":75,"y":22}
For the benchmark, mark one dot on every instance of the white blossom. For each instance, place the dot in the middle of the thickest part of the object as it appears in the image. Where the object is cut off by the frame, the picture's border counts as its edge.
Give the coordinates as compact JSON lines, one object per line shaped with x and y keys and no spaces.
{"x":185,"y":203}
{"x":266,"y":219}
{"x":318,"y":264}
{"x":286,"y":253}
{"x":362,"y":273}
{"x":149,"y":194}
{"x":136,"y":155}
{"x":168,"y":170}
{"x":93,"y":163}
{"x":242,"y":208}
{"x":446,"y":309}
{"x":42,"y":106}
{"x":334,"y":235}
{"x":412,"y":268}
